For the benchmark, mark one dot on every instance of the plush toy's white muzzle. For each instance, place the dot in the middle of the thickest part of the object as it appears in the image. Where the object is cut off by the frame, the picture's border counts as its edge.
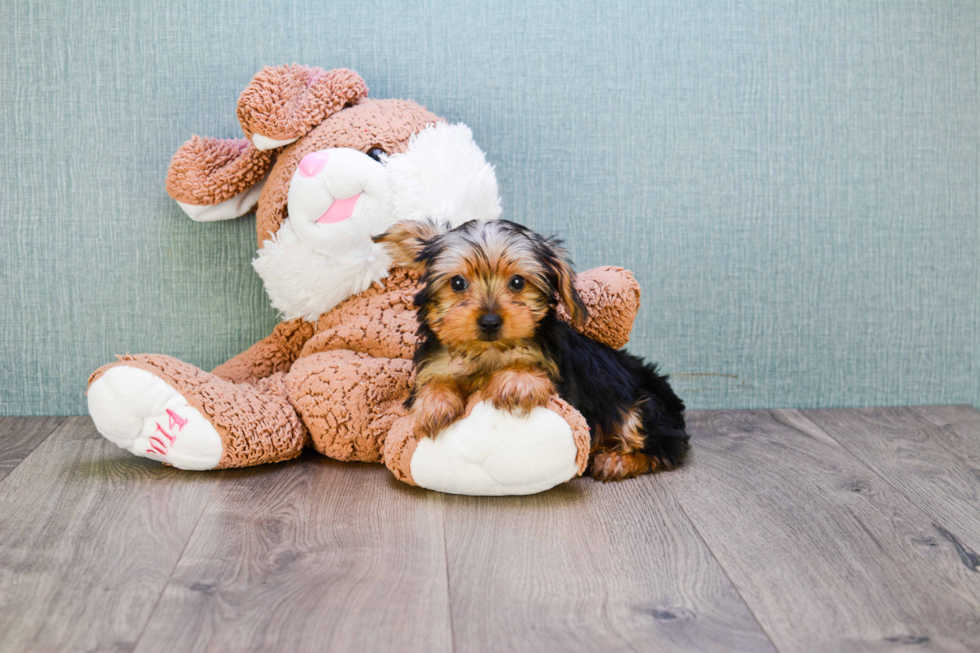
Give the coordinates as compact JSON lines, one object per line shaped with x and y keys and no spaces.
{"x":339,"y":198}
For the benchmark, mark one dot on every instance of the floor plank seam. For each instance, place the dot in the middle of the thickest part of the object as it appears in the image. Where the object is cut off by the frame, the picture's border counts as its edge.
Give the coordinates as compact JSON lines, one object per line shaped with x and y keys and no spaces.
{"x":163,"y":588}
{"x":721,"y":566}
{"x":449,"y":584}
{"x":34,"y":448}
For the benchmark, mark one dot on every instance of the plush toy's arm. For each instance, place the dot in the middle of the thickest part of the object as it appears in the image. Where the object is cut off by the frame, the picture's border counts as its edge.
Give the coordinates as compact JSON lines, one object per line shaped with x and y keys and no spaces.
{"x":612,"y":296}
{"x":217,"y":179}
{"x":275,"y":353}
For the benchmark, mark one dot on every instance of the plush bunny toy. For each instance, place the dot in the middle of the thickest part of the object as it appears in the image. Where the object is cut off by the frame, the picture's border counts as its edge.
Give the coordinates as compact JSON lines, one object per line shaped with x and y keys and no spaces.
{"x":327,"y":168}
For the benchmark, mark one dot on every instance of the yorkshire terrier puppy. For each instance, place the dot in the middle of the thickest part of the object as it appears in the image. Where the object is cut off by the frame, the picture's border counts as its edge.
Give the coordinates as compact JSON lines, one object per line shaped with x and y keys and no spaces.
{"x":488,"y":324}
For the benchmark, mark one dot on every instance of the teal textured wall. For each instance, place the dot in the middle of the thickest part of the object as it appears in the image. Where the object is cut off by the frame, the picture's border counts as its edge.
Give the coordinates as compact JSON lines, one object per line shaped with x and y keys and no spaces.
{"x":794,"y":183}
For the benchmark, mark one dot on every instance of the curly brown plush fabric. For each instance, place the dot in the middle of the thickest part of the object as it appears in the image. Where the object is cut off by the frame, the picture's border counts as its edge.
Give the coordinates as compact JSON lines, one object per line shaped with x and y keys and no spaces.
{"x":257,"y":424}
{"x":380,"y":321}
{"x":349,"y":401}
{"x":284,"y":102}
{"x":206,"y":171}
{"x":613,"y":297}
{"x":275,"y":353}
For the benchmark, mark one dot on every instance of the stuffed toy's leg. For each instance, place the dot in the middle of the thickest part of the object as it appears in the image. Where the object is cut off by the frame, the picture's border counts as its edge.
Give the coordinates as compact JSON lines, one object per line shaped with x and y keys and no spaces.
{"x":161,"y":408}
{"x":349,"y":400}
{"x":492,"y":452}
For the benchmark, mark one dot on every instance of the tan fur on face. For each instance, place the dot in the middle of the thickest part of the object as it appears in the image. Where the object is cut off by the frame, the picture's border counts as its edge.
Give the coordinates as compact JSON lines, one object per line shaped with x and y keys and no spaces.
{"x":453,"y":315}
{"x":488,"y":259}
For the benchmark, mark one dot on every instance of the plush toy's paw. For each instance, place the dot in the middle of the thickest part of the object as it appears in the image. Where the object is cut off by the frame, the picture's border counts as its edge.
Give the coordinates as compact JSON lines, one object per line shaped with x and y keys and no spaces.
{"x":519,"y":391}
{"x":492,"y":452}
{"x":139,"y":412}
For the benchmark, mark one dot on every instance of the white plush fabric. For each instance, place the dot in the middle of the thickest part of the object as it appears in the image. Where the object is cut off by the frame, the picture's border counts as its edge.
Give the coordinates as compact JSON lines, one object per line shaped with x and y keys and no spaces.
{"x":264,"y":143}
{"x":443,"y":175}
{"x":234,"y":207}
{"x":130,"y":408}
{"x":309,"y":266}
{"x":494,"y":453}
{"x":303,"y":282}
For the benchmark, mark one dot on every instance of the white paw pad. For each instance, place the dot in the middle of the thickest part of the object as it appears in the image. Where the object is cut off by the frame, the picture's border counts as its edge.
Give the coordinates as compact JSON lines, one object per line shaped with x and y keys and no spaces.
{"x":492,"y":452}
{"x":141,"y":413}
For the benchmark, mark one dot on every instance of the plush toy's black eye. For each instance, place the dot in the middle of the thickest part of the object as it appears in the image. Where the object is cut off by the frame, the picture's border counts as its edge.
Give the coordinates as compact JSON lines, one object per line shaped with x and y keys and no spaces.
{"x":458,"y":283}
{"x":516,"y":282}
{"x":376,"y":153}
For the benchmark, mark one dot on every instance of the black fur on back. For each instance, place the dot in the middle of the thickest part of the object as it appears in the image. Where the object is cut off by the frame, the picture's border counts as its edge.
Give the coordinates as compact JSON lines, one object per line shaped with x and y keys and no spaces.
{"x":600,"y":382}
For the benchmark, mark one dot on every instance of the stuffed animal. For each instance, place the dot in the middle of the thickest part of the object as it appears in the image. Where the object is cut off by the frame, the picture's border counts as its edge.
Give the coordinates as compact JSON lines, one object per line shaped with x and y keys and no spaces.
{"x":326,"y":168}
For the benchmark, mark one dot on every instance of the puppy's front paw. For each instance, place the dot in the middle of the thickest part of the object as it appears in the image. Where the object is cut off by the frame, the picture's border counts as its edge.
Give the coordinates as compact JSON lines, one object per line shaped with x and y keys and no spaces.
{"x":435,"y":409}
{"x":518,"y":391}
{"x":616,"y":466}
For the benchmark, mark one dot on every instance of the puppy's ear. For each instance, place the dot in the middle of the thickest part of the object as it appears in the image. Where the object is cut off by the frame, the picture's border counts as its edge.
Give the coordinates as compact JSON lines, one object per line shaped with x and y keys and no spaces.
{"x":561,"y":275}
{"x":406,"y":240}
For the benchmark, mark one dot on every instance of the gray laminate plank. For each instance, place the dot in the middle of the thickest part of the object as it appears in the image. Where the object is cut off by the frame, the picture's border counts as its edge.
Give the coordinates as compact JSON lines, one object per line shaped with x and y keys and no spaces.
{"x":19,"y":436}
{"x":929,"y":454}
{"x":89,"y":535}
{"x":827,"y":555}
{"x":947,"y":415}
{"x":310,"y":555}
{"x":589,"y":567}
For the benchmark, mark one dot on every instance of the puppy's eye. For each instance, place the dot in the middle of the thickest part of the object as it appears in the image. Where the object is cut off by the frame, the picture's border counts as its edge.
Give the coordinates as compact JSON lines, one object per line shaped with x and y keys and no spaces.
{"x":377,"y":154}
{"x":516,"y":283}
{"x":458,"y":283}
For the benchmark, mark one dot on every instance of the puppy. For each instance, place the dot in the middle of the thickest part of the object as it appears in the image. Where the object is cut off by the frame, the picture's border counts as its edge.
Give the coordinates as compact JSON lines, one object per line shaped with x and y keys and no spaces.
{"x":488,"y":324}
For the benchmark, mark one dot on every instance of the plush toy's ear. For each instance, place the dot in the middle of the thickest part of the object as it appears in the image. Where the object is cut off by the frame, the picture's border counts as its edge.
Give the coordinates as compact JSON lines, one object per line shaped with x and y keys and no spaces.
{"x":407,"y":241}
{"x":283,"y":103}
{"x":217,"y":179}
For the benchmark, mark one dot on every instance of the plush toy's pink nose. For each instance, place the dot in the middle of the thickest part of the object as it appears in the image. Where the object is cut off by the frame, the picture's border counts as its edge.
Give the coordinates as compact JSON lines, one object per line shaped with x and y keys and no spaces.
{"x":313,"y":163}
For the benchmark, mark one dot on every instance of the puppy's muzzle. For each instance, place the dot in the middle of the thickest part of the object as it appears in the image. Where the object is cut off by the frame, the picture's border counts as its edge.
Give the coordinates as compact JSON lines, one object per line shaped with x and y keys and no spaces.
{"x":489,"y":324}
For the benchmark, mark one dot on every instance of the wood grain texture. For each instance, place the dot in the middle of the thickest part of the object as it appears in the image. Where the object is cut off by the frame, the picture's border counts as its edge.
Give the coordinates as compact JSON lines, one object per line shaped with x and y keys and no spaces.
{"x":310,"y":555}
{"x":19,"y":436}
{"x":89,"y":535}
{"x":846,"y":530}
{"x":929,"y":454}
{"x":827,"y":555}
{"x":589,"y":567}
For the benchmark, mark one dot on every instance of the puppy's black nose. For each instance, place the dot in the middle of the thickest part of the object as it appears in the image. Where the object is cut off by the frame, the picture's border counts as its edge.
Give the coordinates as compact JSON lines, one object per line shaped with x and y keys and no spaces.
{"x":489,"y":323}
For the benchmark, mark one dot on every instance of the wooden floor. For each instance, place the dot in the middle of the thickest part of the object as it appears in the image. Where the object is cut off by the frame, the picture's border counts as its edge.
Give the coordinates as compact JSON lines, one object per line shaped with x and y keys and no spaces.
{"x":824,"y":530}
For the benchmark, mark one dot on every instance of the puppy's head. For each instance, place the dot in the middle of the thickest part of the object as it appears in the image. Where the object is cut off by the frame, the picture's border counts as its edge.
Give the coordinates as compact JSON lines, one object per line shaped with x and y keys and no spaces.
{"x":487,"y":283}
